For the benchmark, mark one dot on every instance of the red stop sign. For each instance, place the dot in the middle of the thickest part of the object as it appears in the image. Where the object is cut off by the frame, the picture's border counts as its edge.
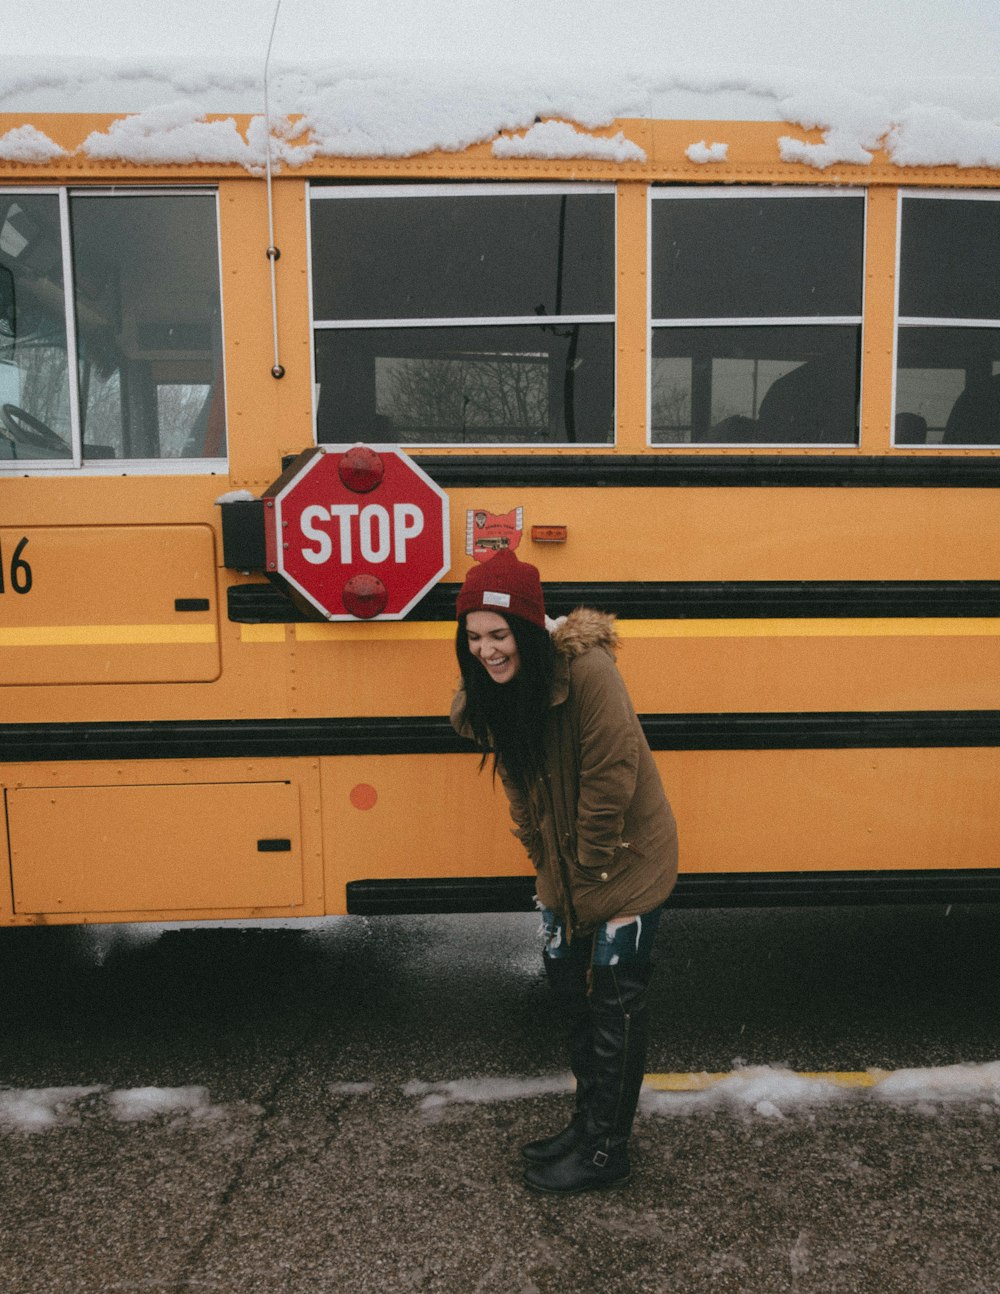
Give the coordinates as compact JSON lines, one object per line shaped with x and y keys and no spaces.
{"x":357,"y":532}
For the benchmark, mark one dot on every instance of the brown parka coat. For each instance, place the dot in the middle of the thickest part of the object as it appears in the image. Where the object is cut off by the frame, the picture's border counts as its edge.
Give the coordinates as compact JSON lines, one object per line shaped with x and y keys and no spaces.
{"x":597,"y":825}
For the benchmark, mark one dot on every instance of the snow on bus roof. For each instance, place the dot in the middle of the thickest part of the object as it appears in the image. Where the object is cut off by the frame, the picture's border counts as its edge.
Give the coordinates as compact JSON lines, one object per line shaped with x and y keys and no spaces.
{"x":917,"y":77}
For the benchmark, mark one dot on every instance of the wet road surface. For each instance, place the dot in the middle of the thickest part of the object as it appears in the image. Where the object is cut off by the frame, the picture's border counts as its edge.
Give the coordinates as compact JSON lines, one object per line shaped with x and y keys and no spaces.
{"x":338,"y":1107}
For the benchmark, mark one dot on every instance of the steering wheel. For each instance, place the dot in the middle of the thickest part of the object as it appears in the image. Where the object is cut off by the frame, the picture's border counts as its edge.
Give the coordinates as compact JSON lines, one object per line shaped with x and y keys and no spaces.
{"x":24,"y":428}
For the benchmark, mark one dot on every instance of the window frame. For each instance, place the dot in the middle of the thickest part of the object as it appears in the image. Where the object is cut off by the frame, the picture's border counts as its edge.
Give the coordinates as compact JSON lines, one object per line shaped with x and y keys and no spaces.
{"x":77,"y":465}
{"x":347,"y":192}
{"x":666,"y":193}
{"x":901,"y":321}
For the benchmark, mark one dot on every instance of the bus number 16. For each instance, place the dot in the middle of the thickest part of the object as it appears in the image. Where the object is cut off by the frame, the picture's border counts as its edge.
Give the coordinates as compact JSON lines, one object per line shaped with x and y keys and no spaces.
{"x":20,"y":571}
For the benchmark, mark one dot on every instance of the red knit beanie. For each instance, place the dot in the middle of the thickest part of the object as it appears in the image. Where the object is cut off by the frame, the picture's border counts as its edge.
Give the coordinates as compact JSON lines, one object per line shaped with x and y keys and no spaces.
{"x":506,"y":586}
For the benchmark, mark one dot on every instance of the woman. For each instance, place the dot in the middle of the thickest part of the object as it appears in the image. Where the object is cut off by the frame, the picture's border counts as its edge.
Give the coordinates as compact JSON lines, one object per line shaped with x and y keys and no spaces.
{"x":589,"y":808}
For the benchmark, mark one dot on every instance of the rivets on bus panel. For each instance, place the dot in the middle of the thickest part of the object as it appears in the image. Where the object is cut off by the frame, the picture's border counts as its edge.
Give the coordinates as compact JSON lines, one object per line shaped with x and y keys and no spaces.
{"x":361,"y":470}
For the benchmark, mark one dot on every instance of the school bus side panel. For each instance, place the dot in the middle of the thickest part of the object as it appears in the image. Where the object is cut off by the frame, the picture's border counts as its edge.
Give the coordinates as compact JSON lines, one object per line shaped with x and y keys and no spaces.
{"x":148,"y":840}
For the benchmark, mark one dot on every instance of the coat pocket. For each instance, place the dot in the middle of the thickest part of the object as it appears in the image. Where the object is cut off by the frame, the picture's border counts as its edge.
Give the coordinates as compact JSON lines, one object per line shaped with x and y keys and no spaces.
{"x":603,"y":890}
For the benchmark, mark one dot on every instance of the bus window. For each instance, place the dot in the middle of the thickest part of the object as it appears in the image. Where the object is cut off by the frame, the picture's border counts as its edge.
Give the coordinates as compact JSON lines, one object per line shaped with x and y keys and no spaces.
{"x":146,"y":280}
{"x":948,"y":350}
{"x":756,"y":305}
{"x":144,"y":323}
{"x":34,"y":375}
{"x":469,"y":315}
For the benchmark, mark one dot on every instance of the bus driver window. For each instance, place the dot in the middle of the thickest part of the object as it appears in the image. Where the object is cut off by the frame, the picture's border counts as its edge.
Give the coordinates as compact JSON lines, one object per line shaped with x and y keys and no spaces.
{"x":143,"y":321}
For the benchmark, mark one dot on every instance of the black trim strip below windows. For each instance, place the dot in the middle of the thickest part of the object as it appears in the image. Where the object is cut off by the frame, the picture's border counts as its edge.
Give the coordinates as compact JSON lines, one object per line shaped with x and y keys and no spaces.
{"x":693,"y":890}
{"x":243,"y":522}
{"x":433,"y":735}
{"x":264,"y":603}
{"x":570,"y":471}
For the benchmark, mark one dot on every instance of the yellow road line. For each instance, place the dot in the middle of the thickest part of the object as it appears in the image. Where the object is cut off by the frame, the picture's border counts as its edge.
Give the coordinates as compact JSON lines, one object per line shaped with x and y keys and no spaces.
{"x":701,"y":1082}
{"x":106,"y":635}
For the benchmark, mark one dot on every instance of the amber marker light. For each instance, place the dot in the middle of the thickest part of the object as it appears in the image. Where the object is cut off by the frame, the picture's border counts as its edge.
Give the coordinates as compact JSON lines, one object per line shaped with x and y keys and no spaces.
{"x":549,"y":534}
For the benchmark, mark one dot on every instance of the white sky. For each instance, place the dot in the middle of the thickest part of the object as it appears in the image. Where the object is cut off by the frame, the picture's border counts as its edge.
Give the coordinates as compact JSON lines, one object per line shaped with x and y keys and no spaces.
{"x":924,"y":37}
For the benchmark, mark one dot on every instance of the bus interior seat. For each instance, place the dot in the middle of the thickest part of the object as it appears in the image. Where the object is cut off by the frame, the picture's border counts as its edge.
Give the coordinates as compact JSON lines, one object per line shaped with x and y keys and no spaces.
{"x":814,"y":403}
{"x":975,"y":415}
{"x":911,"y":429}
{"x":737,"y":429}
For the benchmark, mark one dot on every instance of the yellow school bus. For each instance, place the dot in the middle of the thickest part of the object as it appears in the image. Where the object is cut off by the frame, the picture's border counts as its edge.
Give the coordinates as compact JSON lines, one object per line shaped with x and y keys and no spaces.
{"x":749,"y":403}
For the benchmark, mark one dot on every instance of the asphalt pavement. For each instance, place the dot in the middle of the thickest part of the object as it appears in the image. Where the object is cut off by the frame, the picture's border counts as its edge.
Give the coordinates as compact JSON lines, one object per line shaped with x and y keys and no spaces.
{"x":338,"y":1106}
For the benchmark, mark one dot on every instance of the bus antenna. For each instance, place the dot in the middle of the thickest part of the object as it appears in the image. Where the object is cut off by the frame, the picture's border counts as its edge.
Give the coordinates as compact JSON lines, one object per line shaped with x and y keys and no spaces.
{"x":273,"y":251}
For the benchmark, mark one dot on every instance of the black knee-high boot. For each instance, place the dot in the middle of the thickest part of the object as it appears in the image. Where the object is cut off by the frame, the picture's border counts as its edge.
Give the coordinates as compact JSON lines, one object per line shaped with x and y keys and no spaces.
{"x":567,"y":978}
{"x":599,"y":1158}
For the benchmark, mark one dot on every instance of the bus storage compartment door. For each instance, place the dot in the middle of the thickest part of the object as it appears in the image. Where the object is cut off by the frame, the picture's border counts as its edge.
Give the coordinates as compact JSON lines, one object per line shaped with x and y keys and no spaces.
{"x":142,"y":849}
{"x":108,"y":604}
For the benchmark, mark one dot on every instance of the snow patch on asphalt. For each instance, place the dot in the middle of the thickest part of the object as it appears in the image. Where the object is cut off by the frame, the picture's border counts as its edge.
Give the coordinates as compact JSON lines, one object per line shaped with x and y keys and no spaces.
{"x":137,"y":1104}
{"x":39,"y":1109}
{"x":351,"y":1089}
{"x":483,"y":1091}
{"x":773,"y":1092}
{"x":765,"y":1091}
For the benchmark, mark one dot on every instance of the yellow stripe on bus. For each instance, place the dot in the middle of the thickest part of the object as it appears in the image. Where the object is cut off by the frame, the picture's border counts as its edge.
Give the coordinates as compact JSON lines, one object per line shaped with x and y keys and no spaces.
{"x":262,"y":633}
{"x":874,"y":627}
{"x":431,"y":630}
{"x":385,"y":630}
{"x":106,"y":635}
{"x":703,"y":1082}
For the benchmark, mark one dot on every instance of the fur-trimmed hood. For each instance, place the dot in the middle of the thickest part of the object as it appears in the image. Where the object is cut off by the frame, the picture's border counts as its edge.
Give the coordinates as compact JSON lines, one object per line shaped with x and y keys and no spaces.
{"x":575,"y":635}
{"x":582,"y":630}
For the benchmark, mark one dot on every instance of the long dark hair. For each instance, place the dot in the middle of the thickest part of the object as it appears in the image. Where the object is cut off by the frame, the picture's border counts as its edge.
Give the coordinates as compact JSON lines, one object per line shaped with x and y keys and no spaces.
{"x":508,"y":719}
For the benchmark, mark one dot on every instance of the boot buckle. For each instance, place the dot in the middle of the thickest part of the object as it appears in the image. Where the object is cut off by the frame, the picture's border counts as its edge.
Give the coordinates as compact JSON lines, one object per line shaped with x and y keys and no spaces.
{"x":600,"y":1158}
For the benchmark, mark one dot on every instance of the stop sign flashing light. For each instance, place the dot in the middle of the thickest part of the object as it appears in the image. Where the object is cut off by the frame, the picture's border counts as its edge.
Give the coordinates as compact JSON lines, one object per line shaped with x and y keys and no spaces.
{"x":356,"y":532}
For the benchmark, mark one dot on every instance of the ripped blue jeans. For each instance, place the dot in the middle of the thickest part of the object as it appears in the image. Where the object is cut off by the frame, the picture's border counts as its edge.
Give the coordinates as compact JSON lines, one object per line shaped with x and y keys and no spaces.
{"x":612,"y":944}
